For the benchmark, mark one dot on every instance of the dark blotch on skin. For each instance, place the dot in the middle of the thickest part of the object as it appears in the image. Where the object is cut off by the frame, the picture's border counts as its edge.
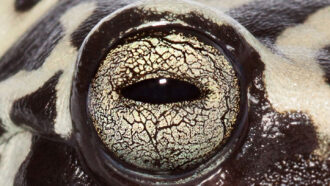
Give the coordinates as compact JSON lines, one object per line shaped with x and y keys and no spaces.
{"x":27,"y":54}
{"x":2,"y":130}
{"x":38,"y":110}
{"x":296,"y":170}
{"x":24,"y":5}
{"x":267,"y":19}
{"x":275,"y":138}
{"x":51,"y":163}
{"x":278,"y":146}
{"x":324,"y":61}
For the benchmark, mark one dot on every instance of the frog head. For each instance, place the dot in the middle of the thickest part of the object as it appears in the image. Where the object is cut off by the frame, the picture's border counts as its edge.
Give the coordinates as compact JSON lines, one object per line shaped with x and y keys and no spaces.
{"x":173,"y":92}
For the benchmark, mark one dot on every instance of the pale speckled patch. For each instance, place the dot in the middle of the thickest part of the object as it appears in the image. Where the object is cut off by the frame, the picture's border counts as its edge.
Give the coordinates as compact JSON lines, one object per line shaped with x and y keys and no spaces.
{"x":184,"y":7}
{"x":12,"y":154}
{"x":14,"y":24}
{"x":300,"y":84}
{"x":165,"y":136}
{"x":224,"y":5}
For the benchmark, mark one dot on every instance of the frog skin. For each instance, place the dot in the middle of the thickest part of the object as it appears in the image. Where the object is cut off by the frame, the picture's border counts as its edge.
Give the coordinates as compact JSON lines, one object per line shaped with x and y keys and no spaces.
{"x":283,"y":48}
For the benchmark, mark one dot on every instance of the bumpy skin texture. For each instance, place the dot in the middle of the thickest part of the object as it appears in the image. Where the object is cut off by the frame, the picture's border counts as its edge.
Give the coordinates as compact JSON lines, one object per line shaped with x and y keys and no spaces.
{"x":281,"y":145}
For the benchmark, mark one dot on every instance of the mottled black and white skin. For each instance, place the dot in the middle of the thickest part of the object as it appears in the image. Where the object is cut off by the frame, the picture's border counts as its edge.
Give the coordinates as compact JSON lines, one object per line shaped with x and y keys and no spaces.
{"x":283,"y":48}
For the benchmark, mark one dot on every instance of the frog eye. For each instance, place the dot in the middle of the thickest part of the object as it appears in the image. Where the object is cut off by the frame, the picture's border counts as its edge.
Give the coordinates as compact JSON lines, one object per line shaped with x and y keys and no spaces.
{"x":164,"y":101}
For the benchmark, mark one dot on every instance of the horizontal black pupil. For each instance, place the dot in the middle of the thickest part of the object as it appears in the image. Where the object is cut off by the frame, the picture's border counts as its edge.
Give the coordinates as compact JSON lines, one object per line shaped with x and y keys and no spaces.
{"x":161,"y":91}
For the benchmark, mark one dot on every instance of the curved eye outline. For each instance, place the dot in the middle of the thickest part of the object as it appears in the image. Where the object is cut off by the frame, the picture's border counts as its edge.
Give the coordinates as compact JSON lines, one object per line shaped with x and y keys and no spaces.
{"x":173,"y":137}
{"x":93,"y":50}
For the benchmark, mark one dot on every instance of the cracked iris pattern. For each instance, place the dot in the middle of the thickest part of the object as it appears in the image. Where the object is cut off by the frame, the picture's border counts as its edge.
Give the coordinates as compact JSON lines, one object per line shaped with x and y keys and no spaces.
{"x":165,"y":137}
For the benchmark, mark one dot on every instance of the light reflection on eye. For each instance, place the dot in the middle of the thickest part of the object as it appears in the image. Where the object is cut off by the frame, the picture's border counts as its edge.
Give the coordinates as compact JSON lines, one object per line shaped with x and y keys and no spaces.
{"x":164,"y":100}
{"x":162,"y":81}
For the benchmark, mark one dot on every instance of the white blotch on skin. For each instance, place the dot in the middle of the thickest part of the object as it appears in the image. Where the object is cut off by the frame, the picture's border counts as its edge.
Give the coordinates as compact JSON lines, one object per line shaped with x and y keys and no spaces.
{"x":298,"y":84}
{"x":12,"y":155}
{"x":224,"y":4}
{"x":67,"y":54}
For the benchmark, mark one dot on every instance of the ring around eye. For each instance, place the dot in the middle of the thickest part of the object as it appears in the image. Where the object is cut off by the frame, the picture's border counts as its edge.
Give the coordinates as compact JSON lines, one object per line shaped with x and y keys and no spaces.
{"x":164,"y":100}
